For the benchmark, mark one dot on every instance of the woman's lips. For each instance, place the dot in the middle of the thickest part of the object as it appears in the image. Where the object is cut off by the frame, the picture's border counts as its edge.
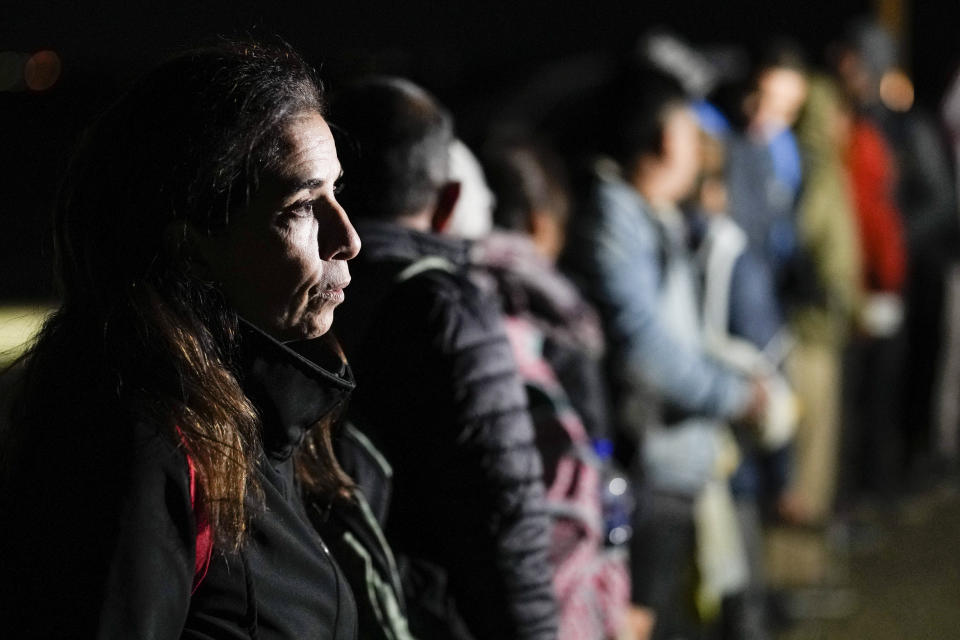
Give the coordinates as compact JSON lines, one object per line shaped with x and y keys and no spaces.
{"x":334,"y":293}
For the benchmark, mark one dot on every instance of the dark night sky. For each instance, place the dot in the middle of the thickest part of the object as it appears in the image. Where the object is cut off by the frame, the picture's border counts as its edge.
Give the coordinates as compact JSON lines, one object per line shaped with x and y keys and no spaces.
{"x":465,"y":52}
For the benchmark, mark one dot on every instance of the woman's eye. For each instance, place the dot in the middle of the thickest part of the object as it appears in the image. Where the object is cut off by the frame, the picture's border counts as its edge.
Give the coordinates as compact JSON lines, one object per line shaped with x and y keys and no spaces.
{"x":304,"y":208}
{"x":338,"y":188}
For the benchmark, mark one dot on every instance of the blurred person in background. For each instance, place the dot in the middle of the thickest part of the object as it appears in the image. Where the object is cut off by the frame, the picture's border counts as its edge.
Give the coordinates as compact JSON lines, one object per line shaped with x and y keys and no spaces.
{"x":441,"y":397}
{"x":828,"y":232}
{"x":169,"y":430}
{"x":558,"y":344}
{"x":803,"y":573}
{"x":742,"y":327}
{"x":472,"y":216}
{"x":627,"y":249}
{"x":946,"y":399}
{"x":540,"y":310}
{"x":765,"y":171}
{"x":869,"y":67}
{"x":950,"y":112}
{"x":530,"y":218}
{"x":874,"y":369}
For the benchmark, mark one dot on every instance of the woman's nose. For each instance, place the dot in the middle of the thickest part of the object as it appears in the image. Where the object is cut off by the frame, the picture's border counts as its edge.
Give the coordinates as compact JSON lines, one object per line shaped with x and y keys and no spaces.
{"x":338,"y":240}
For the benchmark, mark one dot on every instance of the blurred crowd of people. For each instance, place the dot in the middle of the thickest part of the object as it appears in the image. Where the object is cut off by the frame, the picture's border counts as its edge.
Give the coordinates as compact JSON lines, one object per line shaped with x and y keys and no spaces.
{"x":728,"y":286}
{"x":628,"y":368}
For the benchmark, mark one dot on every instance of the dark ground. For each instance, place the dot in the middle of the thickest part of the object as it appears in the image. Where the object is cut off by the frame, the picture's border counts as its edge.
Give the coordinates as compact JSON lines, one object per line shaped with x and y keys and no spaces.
{"x":908,"y":586}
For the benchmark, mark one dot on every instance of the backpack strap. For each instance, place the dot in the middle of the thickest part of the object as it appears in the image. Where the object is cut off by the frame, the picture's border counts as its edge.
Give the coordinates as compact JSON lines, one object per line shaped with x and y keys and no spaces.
{"x":204,"y":544}
{"x":204,"y":538}
{"x":424,"y":264}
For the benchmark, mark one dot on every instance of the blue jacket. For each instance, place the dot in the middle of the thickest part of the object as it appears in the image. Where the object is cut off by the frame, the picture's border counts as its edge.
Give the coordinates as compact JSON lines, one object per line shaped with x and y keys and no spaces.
{"x":620,"y":252}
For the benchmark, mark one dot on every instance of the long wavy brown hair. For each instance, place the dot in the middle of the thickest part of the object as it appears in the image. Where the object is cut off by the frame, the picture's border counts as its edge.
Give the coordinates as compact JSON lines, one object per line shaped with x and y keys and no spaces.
{"x":139,"y":327}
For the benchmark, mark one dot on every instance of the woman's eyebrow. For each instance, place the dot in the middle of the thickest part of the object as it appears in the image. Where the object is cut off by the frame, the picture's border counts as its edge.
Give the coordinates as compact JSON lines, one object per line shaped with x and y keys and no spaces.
{"x":312,"y":183}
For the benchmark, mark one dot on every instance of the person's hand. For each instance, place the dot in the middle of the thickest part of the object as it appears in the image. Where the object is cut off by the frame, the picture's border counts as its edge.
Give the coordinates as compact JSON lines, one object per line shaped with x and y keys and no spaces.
{"x":756,"y":408}
{"x":638,"y":623}
{"x":793,"y":508}
{"x":881,"y":315}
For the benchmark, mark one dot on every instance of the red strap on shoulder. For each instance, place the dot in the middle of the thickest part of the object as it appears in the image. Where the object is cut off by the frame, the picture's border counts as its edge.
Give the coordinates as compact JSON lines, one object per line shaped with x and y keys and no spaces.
{"x":204,"y":541}
{"x":204,"y":533}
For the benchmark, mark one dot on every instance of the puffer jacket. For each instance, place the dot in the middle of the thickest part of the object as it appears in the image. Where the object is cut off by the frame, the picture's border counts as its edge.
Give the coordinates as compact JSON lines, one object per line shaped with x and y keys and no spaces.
{"x":439,"y":396}
{"x":99,"y":537}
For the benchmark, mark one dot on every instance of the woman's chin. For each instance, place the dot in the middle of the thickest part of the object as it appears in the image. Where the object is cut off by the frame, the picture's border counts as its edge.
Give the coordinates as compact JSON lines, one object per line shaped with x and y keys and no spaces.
{"x":309,"y":327}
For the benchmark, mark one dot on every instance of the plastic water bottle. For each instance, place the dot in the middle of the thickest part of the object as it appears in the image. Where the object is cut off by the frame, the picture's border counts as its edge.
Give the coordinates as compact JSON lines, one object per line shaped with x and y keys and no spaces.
{"x":616,"y":496}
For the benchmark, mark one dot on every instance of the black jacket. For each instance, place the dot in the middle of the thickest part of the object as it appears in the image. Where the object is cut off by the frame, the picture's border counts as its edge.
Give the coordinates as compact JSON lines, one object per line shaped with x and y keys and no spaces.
{"x":103,"y":544}
{"x":439,"y":396}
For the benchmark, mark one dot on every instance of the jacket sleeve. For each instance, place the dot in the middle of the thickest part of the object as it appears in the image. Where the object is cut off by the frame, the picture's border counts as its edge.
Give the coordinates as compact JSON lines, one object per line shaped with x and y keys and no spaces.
{"x":828,"y":226}
{"x":927,"y":192}
{"x":500,"y":574}
{"x":619,"y":262}
{"x":880,"y":224}
{"x":754,"y":315}
{"x":98,"y":535}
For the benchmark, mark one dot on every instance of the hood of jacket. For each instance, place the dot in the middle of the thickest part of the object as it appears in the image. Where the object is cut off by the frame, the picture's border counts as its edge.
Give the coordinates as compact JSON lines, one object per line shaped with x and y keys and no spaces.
{"x":389,"y":241}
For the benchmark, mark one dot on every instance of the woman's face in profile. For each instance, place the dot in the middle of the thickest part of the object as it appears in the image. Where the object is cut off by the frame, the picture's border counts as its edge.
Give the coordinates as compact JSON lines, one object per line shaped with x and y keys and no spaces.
{"x":282,"y":263}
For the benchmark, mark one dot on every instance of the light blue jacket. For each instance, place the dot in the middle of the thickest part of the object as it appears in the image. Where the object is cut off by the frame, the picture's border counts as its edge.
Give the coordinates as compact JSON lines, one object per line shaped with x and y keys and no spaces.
{"x":622,"y":253}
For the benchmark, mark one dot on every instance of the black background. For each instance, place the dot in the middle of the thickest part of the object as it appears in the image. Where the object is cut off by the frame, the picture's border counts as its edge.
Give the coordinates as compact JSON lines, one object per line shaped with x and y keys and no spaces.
{"x":468,"y":54}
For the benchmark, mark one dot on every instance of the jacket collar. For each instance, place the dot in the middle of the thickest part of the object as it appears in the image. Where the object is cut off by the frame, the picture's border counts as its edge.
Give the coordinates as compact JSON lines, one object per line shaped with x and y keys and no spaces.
{"x":292,"y":385}
{"x":384,"y":240}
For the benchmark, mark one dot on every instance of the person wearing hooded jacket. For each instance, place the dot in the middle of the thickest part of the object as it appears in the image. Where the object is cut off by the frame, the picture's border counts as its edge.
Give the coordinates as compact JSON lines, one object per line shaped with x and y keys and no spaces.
{"x":440,"y":395}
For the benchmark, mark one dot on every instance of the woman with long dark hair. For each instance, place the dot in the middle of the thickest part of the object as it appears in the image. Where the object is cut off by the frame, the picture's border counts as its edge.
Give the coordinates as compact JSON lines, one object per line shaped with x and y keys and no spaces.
{"x":168,"y":432}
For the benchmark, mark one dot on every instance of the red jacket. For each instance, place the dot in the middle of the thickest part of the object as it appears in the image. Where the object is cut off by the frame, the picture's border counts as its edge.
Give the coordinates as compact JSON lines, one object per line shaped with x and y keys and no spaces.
{"x":881,"y":228}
